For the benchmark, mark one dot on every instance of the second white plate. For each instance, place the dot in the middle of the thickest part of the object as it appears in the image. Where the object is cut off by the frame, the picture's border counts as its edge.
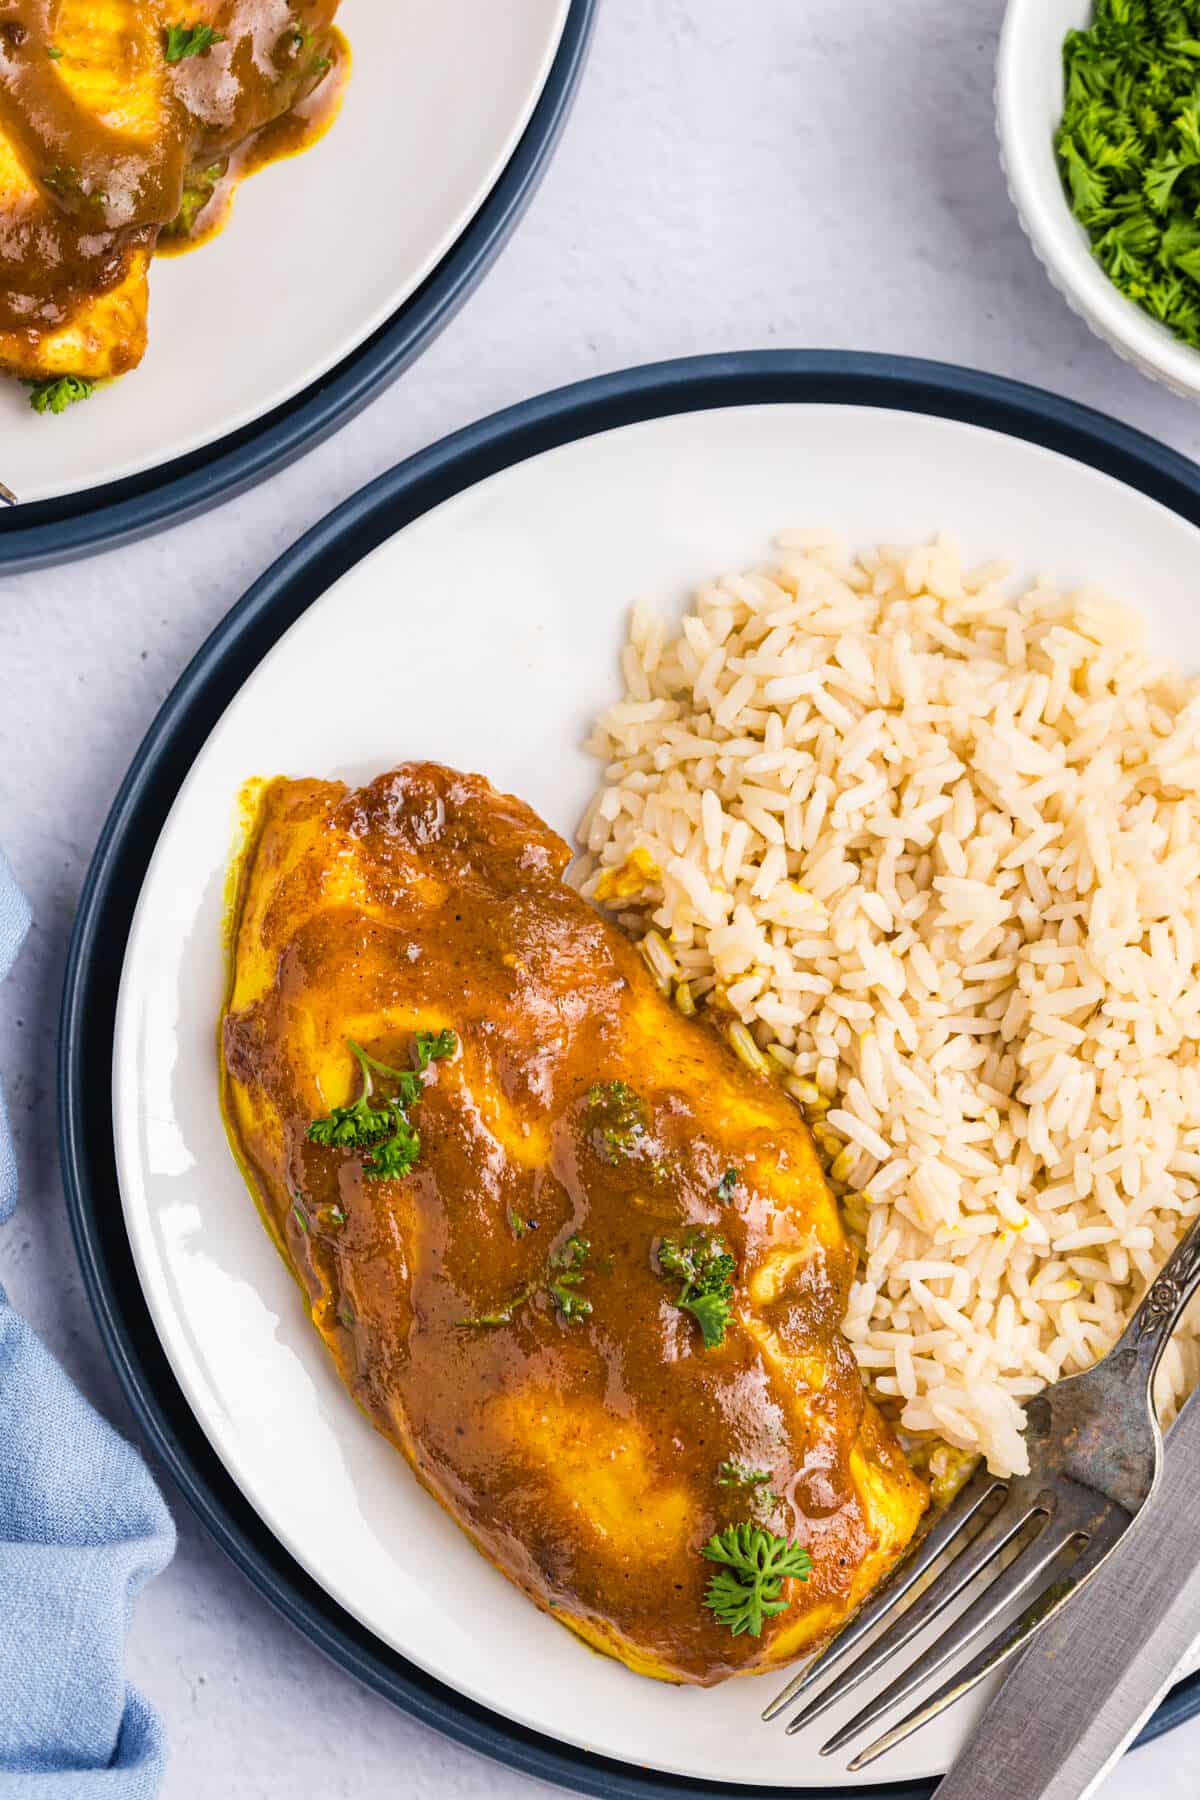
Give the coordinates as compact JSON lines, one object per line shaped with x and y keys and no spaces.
{"x":319,"y":250}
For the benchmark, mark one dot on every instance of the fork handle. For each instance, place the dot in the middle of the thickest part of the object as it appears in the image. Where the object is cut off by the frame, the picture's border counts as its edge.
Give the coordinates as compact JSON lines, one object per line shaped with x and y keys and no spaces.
{"x":1150,"y":1328}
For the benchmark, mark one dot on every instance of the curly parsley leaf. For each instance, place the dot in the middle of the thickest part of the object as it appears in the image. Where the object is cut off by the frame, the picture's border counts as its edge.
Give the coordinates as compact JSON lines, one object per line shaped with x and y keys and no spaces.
{"x":361,"y":1125}
{"x":748,"y":1586}
{"x":396,"y":1155}
{"x":702,"y":1262}
{"x":54,"y":396}
{"x":711,"y":1313}
{"x":381,"y":1131}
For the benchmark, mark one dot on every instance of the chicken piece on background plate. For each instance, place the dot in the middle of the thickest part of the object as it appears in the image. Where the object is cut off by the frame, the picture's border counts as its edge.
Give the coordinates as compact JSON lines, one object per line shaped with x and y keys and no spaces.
{"x":118,"y":128}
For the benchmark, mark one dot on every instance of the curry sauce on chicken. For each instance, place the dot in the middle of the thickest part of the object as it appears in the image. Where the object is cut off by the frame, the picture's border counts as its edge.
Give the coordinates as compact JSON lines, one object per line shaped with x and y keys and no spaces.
{"x":569,"y":1254}
{"x":124,"y":125}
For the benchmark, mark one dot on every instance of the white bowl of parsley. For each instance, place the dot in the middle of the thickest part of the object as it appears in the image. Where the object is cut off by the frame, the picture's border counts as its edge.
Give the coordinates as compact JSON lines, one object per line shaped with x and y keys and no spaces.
{"x":1098,"y":111}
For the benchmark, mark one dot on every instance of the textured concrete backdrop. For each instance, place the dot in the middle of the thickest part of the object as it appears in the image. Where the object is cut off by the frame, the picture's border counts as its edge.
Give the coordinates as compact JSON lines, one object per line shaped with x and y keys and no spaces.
{"x":736,"y":173}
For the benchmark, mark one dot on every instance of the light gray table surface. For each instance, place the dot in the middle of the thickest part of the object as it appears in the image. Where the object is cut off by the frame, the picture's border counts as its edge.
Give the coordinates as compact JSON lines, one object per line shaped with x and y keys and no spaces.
{"x":736,"y":173}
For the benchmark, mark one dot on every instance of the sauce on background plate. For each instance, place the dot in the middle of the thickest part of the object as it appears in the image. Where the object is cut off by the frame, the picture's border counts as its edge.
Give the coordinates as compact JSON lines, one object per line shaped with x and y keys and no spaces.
{"x":113,"y":142}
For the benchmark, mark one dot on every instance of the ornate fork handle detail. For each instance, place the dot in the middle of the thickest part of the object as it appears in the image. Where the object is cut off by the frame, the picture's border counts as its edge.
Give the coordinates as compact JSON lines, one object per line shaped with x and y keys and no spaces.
{"x":1150,"y":1328}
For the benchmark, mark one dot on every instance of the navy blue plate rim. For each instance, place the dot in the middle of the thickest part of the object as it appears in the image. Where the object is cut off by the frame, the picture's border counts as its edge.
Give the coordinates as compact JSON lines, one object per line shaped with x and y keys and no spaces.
{"x":46,"y":532}
{"x":118,"y":867}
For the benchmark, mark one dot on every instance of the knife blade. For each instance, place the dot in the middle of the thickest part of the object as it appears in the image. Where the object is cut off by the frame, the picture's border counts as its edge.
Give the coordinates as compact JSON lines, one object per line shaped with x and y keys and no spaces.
{"x":1092,"y":1677}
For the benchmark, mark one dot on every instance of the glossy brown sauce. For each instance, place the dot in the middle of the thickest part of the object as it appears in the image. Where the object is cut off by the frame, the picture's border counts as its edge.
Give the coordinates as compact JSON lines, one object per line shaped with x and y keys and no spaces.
{"x":584,"y":1455}
{"x":294,"y":132}
{"x":105,"y":146}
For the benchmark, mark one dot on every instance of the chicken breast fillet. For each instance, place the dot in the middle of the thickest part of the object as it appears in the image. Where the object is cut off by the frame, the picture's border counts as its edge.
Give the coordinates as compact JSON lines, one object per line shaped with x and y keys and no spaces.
{"x":110,"y":140}
{"x":510,"y":1312}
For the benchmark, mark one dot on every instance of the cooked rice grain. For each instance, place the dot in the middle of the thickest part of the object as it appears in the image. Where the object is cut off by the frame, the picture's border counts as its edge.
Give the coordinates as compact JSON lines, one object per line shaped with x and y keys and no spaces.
{"x":937,"y":850}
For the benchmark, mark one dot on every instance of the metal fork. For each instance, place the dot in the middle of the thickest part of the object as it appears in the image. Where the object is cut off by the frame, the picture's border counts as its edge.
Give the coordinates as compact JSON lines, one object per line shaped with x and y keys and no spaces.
{"x":1095,"y":1453}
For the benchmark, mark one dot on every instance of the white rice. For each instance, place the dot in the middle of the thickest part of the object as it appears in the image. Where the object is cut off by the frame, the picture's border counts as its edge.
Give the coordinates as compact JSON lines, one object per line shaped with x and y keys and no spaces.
{"x":937,"y":852}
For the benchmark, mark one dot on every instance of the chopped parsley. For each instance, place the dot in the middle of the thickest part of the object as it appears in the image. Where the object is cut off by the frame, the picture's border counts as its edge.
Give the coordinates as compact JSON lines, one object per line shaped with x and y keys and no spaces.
{"x":727,"y":1186}
{"x":309,"y":1219}
{"x":517,"y":1225}
{"x":739,"y":1474}
{"x":703,"y":1263}
{"x":55,"y":395}
{"x":502,"y":1315}
{"x":190,"y":40}
{"x":1129,"y":151}
{"x":566,"y":1275}
{"x":201,"y":186}
{"x":383,"y":1132}
{"x":562,"y":1277}
{"x":754,"y":1482}
{"x":53,"y":54}
{"x":616,"y":1119}
{"x":755,"y":1563}
{"x":432,"y":1045}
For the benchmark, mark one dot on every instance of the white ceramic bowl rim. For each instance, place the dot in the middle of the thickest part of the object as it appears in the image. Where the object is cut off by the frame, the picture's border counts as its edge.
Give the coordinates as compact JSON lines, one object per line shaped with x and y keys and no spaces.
{"x":1028,"y":108}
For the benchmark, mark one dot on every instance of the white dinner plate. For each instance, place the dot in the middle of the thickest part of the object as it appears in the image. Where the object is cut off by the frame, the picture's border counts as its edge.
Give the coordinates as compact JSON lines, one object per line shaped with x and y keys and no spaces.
{"x":320,"y":249}
{"x":494,"y":623}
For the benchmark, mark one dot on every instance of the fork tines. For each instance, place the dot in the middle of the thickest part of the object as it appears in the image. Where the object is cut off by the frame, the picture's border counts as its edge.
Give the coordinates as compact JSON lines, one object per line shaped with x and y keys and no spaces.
{"x":963,"y":1509}
{"x":1021,"y":1530}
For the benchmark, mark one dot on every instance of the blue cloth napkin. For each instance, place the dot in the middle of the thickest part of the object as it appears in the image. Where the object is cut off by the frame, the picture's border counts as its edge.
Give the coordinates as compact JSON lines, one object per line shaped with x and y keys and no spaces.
{"x":82,"y":1528}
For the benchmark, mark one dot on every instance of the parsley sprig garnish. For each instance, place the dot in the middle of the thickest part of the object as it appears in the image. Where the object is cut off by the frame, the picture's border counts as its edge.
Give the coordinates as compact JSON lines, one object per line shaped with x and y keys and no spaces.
{"x":56,"y":394}
{"x":755,"y":1564}
{"x":1129,"y":151}
{"x":703,"y":1263}
{"x":383,"y":1132}
{"x":190,"y":40}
